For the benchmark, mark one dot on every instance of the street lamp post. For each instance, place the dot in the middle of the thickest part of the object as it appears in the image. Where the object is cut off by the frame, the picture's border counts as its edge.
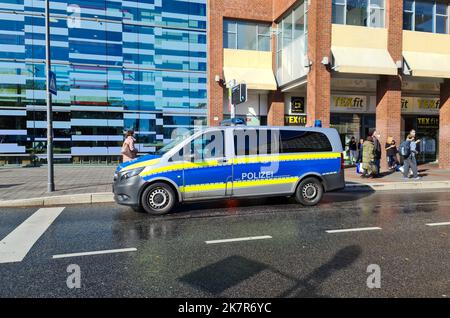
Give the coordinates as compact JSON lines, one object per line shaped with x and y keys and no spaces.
{"x":50,"y":172}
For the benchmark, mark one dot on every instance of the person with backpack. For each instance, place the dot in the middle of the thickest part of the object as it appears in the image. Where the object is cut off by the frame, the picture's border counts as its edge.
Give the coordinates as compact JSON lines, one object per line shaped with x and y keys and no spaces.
{"x":408,"y":149}
{"x":129,"y":151}
{"x":377,"y":150}
{"x":391,"y":153}
{"x":368,"y":158}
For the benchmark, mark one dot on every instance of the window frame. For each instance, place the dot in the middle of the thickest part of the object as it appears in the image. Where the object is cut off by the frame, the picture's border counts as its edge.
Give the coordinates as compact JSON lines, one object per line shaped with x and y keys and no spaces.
{"x":370,"y":5}
{"x":435,"y":15}
{"x":236,"y":33}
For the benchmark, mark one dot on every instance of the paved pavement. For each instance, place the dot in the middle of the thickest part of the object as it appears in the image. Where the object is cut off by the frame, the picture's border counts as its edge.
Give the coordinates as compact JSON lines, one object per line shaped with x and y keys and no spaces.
{"x":294,"y":256}
{"x":23,"y":183}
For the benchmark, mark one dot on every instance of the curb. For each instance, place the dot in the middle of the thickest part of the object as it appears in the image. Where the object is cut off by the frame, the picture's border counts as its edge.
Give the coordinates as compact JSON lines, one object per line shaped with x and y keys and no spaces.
{"x":108,"y":197}
{"x":406,"y":185}
{"x":87,"y":198}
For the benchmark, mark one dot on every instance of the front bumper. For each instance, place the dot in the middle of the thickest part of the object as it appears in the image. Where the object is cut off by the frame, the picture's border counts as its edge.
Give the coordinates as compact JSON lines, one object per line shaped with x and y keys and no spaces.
{"x":127,"y":192}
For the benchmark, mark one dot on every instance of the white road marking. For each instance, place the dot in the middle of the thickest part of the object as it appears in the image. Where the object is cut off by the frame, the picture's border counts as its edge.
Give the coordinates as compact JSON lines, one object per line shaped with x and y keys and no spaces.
{"x":354,"y":230}
{"x":251,"y":238}
{"x":122,"y":250}
{"x":438,"y":224}
{"x":15,"y":246}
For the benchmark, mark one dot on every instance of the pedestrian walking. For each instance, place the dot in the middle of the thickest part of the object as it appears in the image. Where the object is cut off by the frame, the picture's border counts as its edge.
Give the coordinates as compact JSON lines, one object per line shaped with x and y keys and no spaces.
{"x":391,"y":153}
{"x":377,"y":150}
{"x":409,"y":152}
{"x":129,"y":151}
{"x":360,"y":149}
{"x":368,"y":158}
{"x":353,"y":147}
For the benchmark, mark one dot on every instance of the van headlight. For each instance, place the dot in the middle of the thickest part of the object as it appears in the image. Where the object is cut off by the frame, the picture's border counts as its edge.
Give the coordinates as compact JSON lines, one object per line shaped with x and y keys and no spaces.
{"x":131,"y":173}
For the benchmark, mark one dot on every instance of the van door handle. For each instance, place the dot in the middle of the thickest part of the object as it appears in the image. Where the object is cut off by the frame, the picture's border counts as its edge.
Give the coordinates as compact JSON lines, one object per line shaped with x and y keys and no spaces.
{"x":223,"y":160}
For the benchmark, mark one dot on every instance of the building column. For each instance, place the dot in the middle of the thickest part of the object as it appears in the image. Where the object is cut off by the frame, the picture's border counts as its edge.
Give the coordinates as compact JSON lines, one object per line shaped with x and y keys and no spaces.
{"x":389,"y":88}
{"x":319,"y":77}
{"x":275,"y":111}
{"x":444,"y":126}
{"x":388,"y":113}
{"x":215,"y":63}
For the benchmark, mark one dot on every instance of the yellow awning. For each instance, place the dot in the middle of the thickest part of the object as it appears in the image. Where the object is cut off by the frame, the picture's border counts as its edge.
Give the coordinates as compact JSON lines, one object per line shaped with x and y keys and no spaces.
{"x":428,"y":64}
{"x":363,"y":61}
{"x":255,"y":78}
{"x":253,"y":68}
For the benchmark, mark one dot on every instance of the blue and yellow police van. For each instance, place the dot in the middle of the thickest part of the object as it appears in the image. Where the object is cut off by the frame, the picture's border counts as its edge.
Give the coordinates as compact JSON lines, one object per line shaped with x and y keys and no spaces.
{"x":234,"y":162}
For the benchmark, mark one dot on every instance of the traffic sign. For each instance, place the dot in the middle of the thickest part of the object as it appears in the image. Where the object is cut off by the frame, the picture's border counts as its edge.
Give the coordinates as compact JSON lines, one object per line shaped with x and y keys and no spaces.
{"x":52,"y":79}
{"x":239,"y":94}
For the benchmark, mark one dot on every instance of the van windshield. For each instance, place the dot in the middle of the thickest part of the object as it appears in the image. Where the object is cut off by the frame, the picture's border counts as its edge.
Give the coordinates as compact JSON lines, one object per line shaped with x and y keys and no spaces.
{"x":182,"y":136}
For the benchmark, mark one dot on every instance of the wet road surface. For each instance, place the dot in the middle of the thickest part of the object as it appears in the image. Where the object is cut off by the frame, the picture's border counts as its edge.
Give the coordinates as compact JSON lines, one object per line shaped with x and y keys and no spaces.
{"x":259,"y":248}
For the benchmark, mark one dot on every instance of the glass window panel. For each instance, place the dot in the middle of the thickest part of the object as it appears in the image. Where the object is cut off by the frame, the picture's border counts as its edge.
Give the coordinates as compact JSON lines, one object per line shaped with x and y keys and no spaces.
{"x":338,"y":14}
{"x":263,"y":43}
{"x":408,"y":21}
{"x":229,"y":40}
{"x":441,"y":24}
{"x":408,"y":5}
{"x":376,"y":18}
{"x":299,"y":21}
{"x":441,"y":8}
{"x":247,"y":36}
{"x":263,"y":30}
{"x":377,"y":3}
{"x":288,"y":27}
{"x":229,"y":26}
{"x":424,"y":16}
{"x":357,"y":12}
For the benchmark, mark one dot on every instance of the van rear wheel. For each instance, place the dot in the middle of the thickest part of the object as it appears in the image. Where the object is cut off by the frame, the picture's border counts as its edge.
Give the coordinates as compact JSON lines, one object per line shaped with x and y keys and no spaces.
{"x":309,"y":192}
{"x":158,"y":199}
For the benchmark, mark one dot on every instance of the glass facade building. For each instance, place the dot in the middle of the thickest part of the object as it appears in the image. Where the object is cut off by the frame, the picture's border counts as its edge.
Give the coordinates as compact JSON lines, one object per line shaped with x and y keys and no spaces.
{"x":119,"y":64}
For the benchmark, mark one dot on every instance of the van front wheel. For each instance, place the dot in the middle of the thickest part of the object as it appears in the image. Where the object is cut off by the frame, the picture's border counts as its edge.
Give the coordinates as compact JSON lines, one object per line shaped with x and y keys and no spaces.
{"x":309,"y":192}
{"x":158,"y":199}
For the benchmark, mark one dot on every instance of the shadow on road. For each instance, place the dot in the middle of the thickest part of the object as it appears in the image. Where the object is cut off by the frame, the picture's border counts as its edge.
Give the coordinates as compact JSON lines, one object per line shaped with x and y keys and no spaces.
{"x":234,"y":270}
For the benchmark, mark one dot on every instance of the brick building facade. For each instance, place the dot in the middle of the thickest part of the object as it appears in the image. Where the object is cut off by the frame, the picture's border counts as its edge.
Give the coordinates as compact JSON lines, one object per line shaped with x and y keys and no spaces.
{"x":380,"y":64}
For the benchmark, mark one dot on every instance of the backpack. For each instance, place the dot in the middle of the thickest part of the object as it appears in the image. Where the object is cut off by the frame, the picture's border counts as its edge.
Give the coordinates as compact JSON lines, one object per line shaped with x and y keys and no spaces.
{"x":405,"y":148}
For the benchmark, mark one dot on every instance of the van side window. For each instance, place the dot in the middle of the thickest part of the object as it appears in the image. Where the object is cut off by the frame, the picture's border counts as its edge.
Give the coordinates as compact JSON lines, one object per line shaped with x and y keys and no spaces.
{"x":248,"y":142}
{"x":304,"y":141}
{"x":209,"y":145}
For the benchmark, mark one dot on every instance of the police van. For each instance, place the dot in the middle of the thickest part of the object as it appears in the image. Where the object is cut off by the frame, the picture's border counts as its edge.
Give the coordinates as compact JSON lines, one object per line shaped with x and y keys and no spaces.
{"x":234,"y":162}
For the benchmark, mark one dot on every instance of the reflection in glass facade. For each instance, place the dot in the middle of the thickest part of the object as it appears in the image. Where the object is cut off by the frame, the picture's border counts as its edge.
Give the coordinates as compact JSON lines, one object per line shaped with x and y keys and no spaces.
{"x":135,"y":64}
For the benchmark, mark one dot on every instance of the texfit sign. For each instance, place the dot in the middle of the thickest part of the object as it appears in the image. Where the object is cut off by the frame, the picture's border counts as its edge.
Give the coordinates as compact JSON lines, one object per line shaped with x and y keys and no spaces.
{"x":348,"y":103}
{"x":420,"y":105}
{"x":295,"y":120}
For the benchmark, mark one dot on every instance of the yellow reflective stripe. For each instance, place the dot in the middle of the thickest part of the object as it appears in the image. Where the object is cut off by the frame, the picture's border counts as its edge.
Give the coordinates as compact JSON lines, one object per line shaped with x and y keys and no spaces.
{"x":256,"y":183}
{"x":142,"y":164}
{"x":245,"y":160}
{"x":281,"y":158}
{"x":181,"y":166}
{"x":204,"y":187}
{"x":237,"y":184}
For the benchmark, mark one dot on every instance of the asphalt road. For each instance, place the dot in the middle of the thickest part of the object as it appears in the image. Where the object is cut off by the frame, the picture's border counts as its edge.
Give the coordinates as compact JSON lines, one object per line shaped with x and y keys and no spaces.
{"x":294,"y":256}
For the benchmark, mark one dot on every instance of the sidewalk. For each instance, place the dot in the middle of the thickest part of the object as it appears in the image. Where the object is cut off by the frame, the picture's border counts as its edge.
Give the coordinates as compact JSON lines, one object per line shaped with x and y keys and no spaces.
{"x":92,"y":184}
{"x":432,"y":178}
{"x":23,"y":183}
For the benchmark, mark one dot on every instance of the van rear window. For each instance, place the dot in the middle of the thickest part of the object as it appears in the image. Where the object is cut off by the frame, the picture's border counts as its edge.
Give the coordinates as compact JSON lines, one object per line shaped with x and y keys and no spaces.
{"x":304,"y":141}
